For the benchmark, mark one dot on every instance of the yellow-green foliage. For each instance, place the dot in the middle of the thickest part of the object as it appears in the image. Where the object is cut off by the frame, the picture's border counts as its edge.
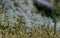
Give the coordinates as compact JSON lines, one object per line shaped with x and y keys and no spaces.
{"x":2,"y":10}
{"x":20,"y":31}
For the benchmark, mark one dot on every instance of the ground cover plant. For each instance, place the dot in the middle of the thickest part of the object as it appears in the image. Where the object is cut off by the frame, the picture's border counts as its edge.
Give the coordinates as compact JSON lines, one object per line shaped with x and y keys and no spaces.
{"x":21,"y":19}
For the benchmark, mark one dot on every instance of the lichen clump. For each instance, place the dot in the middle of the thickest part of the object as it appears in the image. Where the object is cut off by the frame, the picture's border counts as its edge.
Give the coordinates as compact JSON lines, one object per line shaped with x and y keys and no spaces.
{"x":21,"y":19}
